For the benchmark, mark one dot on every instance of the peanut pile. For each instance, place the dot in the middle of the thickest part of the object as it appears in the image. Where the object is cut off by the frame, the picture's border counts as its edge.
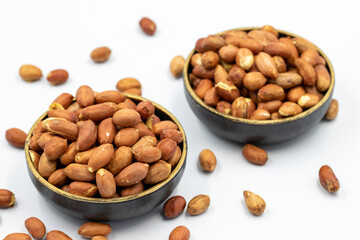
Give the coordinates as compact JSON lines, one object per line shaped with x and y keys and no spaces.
{"x":258,"y":74}
{"x":104,"y":144}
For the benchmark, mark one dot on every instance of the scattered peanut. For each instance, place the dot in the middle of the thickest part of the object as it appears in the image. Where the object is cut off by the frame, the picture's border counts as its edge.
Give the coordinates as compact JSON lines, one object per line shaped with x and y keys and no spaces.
{"x":198,"y":204}
{"x":57,"y":77}
{"x":180,"y":233}
{"x":18,"y":236}
{"x":16,"y":137}
{"x":100,"y":54}
{"x":254,"y":203}
{"x":148,"y":26}
{"x":176,"y":66}
{"x":174,"y":206}
{"x":129,"y":85}
{"x":92,"y":229}
{"x":30,"y":73}
{"x":207,"y":160}
{"x":35,"y":227}
{"x":328,"y":179}
{"x":254,"y":154}
{"x":333,"y":110}
{"x":7,"y":198}
{"x":56,"y":235}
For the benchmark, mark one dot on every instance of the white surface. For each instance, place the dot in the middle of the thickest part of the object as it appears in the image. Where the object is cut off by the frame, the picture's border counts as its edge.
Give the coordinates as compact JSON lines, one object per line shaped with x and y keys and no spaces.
{"x":61,"y":34}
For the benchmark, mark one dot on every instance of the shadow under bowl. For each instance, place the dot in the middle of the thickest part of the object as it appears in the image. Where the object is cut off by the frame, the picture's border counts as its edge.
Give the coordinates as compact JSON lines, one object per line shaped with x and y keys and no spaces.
{"x":121,"y":208}
{"x":257,"y":131}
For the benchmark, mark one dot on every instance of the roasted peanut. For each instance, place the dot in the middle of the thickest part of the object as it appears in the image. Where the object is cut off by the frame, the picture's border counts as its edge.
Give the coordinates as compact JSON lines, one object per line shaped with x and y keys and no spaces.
{"x":254,"y":203}
{"x":207,"y":160}
{"x":332,"y":110}
{"x":100,"y":54}
{"x":254,"y":154}
{"x":328,"y":179}
{"x":148,"y":26}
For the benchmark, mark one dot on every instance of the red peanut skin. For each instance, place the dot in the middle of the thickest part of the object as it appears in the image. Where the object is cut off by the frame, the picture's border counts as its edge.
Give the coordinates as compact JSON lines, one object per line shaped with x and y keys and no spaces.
{"x":254,"y":154}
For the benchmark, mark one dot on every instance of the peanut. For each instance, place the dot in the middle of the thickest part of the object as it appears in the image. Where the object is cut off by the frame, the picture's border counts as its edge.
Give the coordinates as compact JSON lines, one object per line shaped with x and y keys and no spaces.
{"x":180,"y":233}
{"x":16,"y":137}
{"x":148,"y":26}
{"x":91,"y":229}
{"x":35,"y":227}
{"x":254,"y":203}
{"x":198,"y":204}
{"x":328,"y":180}
{"x":254,"y":154}
{"x":174,"y":206}
{"x":57,"y":77}
{"x":176,"y":66}
{"x":333,"y":110}
{"x":100,"y":54}
{"x":7,"y":198}
{"x":207,"y":160}
{"x":30,"y":73}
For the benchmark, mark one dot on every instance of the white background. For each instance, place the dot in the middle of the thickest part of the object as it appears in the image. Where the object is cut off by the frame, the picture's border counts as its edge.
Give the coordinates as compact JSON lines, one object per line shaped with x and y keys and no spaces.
{"x":61,"y":34}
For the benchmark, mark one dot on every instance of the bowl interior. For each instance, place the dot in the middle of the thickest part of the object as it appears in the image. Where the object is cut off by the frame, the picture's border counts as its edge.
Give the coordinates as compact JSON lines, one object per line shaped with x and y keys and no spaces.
{"x":327,"y":95}
{"x":162,"y":113}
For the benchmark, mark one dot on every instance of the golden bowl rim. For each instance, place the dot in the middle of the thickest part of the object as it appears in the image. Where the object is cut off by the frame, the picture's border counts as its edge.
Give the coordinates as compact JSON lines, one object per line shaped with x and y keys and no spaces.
{"x":147,"y":192}
{"x":270,"y":122}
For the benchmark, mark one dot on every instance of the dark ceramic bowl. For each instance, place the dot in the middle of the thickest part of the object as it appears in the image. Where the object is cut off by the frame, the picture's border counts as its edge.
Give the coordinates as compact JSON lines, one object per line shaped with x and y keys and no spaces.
{"x":99,"y":209}
{"x":259,"y":131}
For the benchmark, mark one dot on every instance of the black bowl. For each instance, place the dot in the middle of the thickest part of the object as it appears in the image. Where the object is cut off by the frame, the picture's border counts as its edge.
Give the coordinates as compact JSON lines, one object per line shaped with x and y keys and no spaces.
{"x":121,"y":208}
{"x":259,"y":131}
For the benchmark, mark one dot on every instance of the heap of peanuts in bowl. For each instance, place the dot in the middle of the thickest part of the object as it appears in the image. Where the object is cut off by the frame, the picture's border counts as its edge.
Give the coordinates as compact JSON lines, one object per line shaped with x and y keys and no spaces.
{"x":258,"y":74}
{"x":107,"y":145}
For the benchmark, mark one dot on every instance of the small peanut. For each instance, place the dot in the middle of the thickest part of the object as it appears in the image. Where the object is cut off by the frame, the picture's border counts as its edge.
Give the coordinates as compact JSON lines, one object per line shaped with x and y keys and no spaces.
{"x":176,"y":66}
{"x":328,"y":179}
{"x":333,"y":110}
{"x":100,"y":54}
{"x":254,"y":203}
{"x":207,"y":160}
{"x":148,"y":26}
{"x":254,"y":154}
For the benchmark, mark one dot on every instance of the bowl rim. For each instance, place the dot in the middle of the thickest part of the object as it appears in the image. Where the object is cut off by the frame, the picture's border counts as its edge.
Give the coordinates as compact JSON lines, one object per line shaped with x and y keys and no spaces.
{"x":115,"y":200}
{"x":303,"y":114}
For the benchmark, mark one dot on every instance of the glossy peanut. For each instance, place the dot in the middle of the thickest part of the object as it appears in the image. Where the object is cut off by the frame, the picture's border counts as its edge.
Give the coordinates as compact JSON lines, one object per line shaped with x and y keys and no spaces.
{"x":332,"y":111}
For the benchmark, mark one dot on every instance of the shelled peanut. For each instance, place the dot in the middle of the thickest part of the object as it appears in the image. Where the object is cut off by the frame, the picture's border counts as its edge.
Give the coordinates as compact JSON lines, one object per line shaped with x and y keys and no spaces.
{"x":129,"y":85}
{"x":7,"y":198}
{"x":148,"y":26}
{"x":254,"y":203}
{"x":259,"y":74}
{"x":16,"y":137}
{"x":328,"y":180}
{"x":180,"y":233}
{"x":35,"y":227}
{"x":30,"y":72}
{"x":93,"y":229}
{"x":104,"y":144}
{"x":100,"y":54}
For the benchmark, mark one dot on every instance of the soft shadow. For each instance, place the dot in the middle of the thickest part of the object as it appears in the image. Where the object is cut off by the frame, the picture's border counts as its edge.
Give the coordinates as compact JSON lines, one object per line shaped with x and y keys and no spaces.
{"x":59,"y":213}
{"x":292,"y":142}
{"x":135,"y":222}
